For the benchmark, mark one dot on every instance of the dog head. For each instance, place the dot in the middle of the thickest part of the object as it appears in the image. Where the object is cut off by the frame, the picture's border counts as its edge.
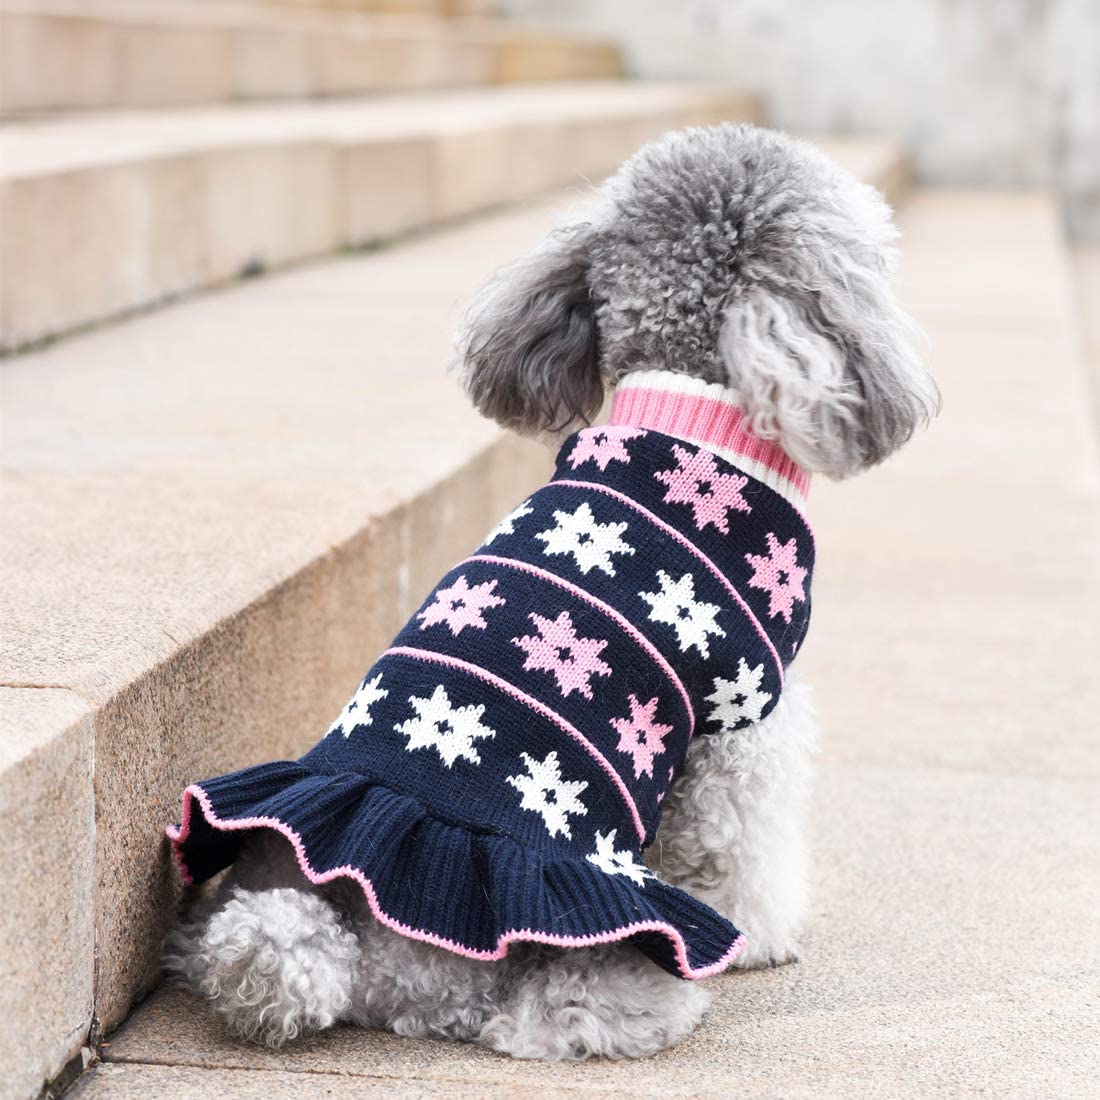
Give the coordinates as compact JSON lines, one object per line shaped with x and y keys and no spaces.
{"x":732,"y":254}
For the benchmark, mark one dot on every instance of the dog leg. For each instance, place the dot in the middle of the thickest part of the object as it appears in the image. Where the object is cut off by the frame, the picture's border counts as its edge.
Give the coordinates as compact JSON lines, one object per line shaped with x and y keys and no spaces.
{"x":733,"y":828}
{"x":418,"y":990}
{"x":601,"y":1001}
{"x":273,"y":960}
{"x":536,"y":1002}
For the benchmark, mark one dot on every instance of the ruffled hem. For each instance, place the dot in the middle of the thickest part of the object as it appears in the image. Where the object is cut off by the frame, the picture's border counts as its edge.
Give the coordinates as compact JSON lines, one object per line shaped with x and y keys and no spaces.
{"x":410,"y":868}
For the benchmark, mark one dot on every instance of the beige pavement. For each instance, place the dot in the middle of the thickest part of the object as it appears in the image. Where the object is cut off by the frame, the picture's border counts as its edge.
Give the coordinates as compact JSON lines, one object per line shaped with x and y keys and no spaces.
{"x":957,"y":825}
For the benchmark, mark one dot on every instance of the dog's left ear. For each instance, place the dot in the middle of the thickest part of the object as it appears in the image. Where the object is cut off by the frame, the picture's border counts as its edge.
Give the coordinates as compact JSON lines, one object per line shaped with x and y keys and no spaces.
{"x":823,"y":358}
{"x":529,"y":346}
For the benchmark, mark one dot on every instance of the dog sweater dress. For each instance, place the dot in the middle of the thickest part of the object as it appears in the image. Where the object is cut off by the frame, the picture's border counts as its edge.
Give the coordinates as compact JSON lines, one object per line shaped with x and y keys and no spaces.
{"x":501,"y":768}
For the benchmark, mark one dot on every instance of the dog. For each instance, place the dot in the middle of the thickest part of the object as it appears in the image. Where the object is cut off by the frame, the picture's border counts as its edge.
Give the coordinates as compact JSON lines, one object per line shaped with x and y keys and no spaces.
{"x":730,"y":262}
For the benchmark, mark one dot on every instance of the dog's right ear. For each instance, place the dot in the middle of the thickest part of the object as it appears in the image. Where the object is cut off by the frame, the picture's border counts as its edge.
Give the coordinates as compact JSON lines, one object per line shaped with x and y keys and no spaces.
{"x":529,"y":345}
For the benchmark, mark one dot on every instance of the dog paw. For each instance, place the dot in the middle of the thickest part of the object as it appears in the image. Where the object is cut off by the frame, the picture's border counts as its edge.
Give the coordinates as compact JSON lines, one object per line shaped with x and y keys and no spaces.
{"x":766,"y":957}
{"x":272,"y":963}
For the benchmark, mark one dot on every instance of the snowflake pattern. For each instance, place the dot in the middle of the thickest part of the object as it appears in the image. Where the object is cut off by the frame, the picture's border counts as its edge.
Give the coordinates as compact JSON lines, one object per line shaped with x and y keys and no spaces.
{"x":621,"y":861}
{"x":780,"y":575}
{"x":697,"y":481}
{"x":450,"y":730}
{"x":676,"y":606}
{"x":544,"y":792}
{"x":590,"y":543}
{"x":460,"y":606}
{"x":641,"y":735}
{"x":357,"y":711}
{"x":507,"y":526}
{"x":603,"y":446}
{"x":557,"y":649}
{"x":740,"y":700}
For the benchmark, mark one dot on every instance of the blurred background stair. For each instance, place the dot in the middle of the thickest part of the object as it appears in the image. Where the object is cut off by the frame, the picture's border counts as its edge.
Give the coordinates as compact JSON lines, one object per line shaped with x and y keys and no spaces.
{"x":106,"y":213}
{"x":86,"y":54}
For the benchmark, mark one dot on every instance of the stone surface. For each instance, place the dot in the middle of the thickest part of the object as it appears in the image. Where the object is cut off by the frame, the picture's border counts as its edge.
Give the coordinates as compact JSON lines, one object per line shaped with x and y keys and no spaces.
{"x":104,"y":213}
{"x":87,"y":54}
{"x":47,"y":866}
{"x":113,"y":1082}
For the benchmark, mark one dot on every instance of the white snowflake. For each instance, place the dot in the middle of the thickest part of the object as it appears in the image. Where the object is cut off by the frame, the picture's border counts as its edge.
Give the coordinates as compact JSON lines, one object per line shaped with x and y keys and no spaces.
{"x":357,"y":711}
{"x":590,"y":543}
{"x":676,"y":606}
{"x":738,"y":700}
{"x":621,"y":862}
{"x":450,"y":730}
{"x":507,"y":526}
{"x":546,"y":793}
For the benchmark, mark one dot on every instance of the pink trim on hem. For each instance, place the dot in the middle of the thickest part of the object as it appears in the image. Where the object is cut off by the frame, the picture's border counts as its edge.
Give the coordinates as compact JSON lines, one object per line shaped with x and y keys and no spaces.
{"x":178,"y":835}
{"x":431,"y":657}
{"x":689,"y":545}
{"x":623,"y":623}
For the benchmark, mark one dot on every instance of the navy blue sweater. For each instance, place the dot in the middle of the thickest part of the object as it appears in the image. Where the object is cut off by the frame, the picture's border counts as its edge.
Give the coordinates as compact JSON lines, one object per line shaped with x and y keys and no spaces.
{"x":502,"y":766}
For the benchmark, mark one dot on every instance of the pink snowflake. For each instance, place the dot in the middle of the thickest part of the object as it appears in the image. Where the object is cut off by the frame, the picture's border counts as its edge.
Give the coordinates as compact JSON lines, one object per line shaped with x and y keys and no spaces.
{"x":641,"y":735}
{"x":780,"y":575}
{"x":461,"y":606}
{"x":603,"y":445}
{"x":696,"y":473}
{"x":557,"y":649}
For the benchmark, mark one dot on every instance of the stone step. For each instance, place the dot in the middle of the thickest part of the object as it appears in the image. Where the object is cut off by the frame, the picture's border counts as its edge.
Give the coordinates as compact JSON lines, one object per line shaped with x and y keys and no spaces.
{"x":103,"y":214}
{"x":957,"y":618}
{"x":97,"y":54}
{"x":216,"y":515}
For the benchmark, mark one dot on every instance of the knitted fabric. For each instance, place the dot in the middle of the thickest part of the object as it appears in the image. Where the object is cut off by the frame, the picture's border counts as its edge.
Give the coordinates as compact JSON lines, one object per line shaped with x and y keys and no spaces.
{"x":501,"y":768}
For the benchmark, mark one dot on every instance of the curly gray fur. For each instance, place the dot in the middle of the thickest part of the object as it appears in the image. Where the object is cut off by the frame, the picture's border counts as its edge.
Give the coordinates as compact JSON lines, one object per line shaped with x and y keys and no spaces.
{"x":732,"y":254}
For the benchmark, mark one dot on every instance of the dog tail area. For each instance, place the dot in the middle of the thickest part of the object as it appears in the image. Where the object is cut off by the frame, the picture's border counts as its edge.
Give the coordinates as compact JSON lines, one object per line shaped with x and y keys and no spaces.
{"x":274,"y":964}
{"x":608,"y":1002}
{"x":472,"y":892}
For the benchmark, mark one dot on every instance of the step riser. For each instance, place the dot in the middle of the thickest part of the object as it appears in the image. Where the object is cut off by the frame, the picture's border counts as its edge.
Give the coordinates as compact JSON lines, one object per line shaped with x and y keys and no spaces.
{"x":47,"y":935}
{"x":53,"y":62}
{"x":88,"y":244}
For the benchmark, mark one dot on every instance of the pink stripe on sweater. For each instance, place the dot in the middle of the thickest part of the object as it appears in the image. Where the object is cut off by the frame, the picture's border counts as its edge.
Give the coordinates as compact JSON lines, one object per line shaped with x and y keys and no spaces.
{"x":195,"y":794}
{"x":529,"y":700}
{"x":623,"y":624}
{"x":692,"y":548}
{"x":702,"y":420}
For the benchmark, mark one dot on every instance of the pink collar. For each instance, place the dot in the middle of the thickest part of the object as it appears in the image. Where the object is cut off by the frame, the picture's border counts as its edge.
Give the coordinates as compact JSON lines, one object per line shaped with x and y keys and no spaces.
{"x":707,"y":415}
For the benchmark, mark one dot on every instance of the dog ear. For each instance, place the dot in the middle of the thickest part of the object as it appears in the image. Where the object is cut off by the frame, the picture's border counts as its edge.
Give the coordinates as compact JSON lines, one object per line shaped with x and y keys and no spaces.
{"x":529,"y":346}
{"x":827,"y":366}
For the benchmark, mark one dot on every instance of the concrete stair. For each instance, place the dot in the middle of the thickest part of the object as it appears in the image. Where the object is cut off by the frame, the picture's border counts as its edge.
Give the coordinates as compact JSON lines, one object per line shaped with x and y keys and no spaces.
{"x":957,"y":622}
{"x":215,"y":516}
{"x":107,"y":213}
{"x":95,"y":54}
